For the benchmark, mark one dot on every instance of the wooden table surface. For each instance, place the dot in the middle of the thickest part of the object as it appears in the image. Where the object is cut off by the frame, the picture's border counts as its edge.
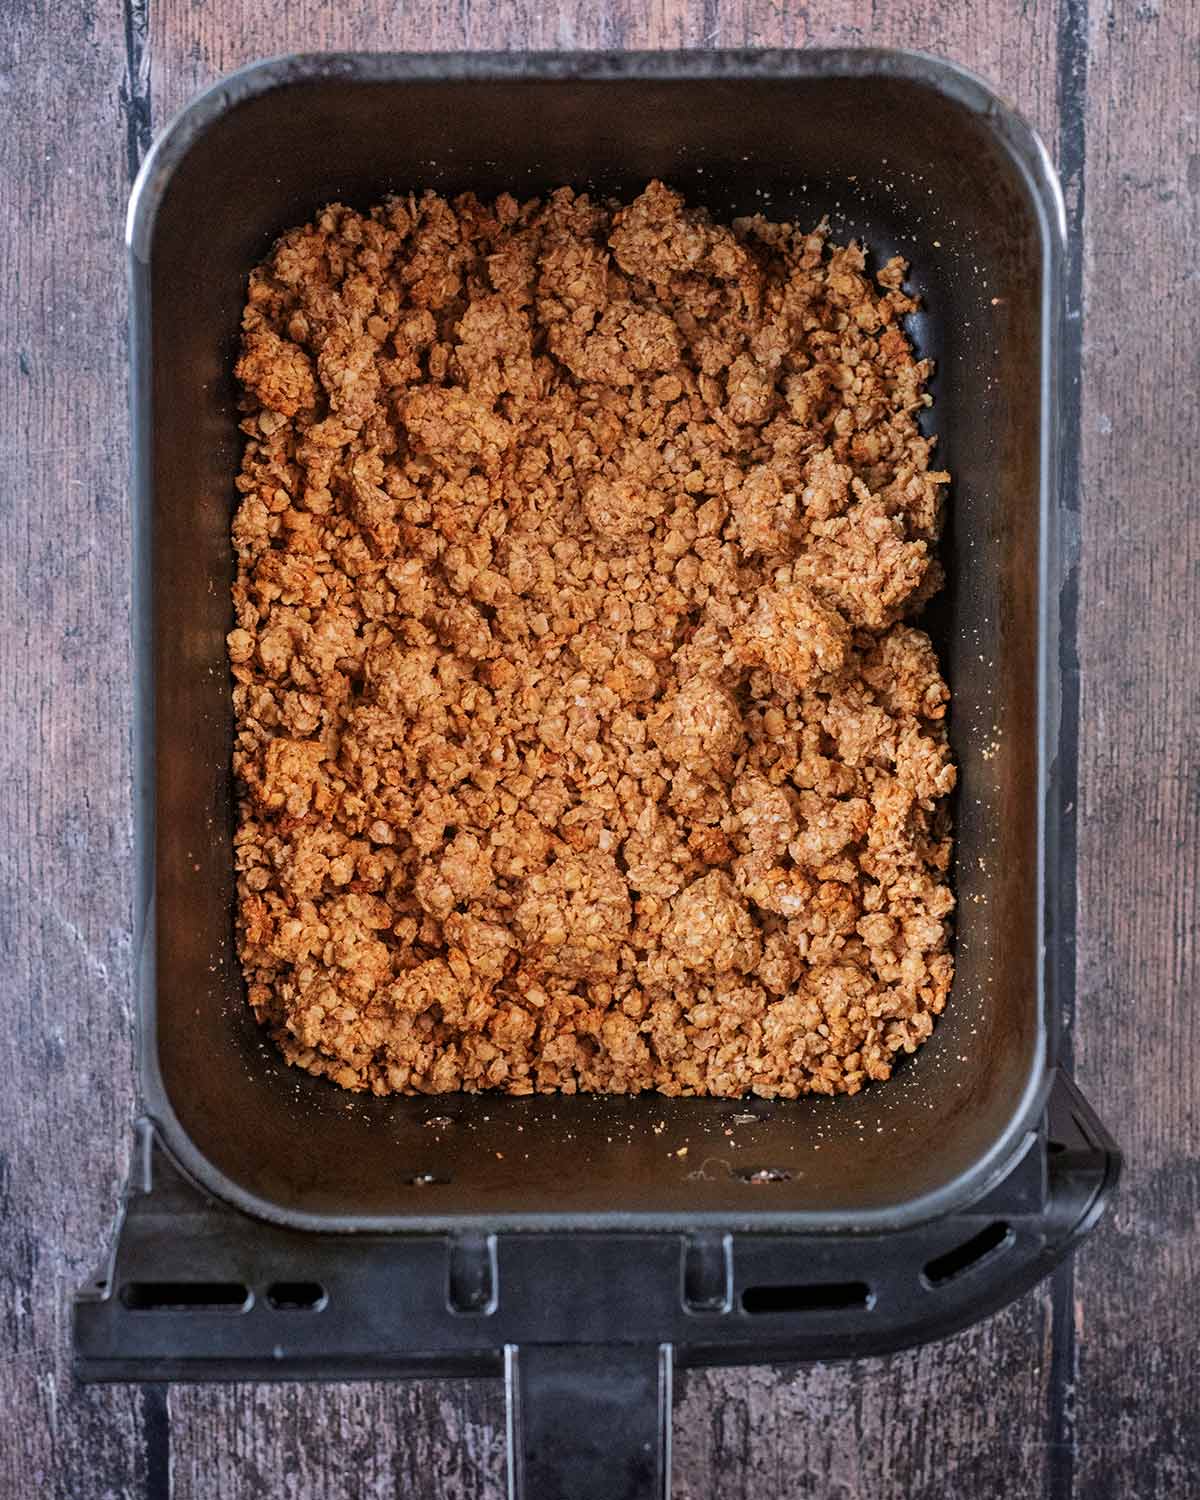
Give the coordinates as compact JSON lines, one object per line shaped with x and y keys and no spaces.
{"x":1085,"y":1387}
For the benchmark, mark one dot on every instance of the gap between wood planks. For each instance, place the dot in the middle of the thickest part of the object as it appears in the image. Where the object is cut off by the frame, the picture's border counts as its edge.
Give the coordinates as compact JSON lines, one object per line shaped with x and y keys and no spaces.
{"x":1072,"y":68}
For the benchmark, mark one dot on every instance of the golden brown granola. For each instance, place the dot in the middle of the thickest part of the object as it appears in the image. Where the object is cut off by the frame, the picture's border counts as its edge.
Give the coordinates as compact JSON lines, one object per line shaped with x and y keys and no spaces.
{"x":580,"y":739}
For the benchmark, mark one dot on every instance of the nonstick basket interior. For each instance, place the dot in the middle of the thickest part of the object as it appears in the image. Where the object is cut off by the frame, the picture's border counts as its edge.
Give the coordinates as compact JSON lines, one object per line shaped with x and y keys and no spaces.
{"x":913,"y":159}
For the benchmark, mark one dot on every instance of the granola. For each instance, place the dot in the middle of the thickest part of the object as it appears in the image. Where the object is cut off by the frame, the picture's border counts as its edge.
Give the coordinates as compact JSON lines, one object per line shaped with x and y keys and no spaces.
{"x":581,"y":740}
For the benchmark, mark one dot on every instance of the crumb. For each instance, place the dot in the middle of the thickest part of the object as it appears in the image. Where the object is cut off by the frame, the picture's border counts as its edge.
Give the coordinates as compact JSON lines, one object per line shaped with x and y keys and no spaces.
{"x":583,"y":742}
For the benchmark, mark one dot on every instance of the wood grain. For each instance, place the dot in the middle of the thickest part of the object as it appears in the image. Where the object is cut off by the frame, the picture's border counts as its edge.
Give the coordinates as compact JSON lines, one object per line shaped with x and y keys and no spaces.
{"x":1137,"y":1301}
{"x":1013,"y":44}
{"x":923,"y":1425}
{"x":1097,"y":1400}
{"x":369,"y":1441}
{"x":65,"y":841}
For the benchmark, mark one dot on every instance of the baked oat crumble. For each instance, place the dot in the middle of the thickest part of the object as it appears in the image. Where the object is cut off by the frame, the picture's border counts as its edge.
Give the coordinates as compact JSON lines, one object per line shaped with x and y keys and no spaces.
{"x":582,"y":742}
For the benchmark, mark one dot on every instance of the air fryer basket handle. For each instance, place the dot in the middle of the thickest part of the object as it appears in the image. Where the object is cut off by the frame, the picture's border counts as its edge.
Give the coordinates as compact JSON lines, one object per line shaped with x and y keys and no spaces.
{"x":195,"y":1289}
{"x":589,"y":1421}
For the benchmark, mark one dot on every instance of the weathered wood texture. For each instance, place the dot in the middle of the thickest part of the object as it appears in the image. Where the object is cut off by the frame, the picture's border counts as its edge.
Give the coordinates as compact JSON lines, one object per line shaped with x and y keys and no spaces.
{"x":65,"y":837}
{"x":1137,"y":1294}
{"x":1088,"y":1391}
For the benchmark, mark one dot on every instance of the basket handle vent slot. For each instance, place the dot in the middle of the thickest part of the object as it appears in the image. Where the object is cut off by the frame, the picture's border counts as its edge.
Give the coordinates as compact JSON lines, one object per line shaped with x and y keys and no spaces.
{"x":296,"y":1296}
{"x":186,"y":1296}
{"x":817,"y":1296}
{"x":989,"y":1241}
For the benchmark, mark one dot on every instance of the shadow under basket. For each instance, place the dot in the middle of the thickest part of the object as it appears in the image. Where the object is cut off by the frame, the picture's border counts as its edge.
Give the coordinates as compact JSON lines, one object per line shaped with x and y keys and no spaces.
{"x":276,"y":1227}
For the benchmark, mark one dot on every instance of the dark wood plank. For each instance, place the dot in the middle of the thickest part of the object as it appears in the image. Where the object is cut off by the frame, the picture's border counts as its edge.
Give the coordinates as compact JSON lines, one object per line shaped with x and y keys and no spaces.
{"x":1138,"y":1029}
{"x":734,"y":1429}
{"x":964,"y":1417}
{"x":1012,"y":42}
{"x":357,"y":1442}
{"x":65,"y":868}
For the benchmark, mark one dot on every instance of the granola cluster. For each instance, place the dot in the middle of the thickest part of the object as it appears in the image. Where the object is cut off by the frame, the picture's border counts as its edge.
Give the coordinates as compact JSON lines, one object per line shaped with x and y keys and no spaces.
{"x":581,"y":740}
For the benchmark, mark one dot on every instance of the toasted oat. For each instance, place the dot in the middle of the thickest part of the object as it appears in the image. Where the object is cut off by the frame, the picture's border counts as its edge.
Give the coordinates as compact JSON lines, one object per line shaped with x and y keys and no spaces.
{"x":580,"y":739}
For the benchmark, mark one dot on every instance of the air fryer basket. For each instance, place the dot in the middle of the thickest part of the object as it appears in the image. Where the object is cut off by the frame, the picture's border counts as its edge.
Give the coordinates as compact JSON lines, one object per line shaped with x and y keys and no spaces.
{"x":441,"y":1232}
